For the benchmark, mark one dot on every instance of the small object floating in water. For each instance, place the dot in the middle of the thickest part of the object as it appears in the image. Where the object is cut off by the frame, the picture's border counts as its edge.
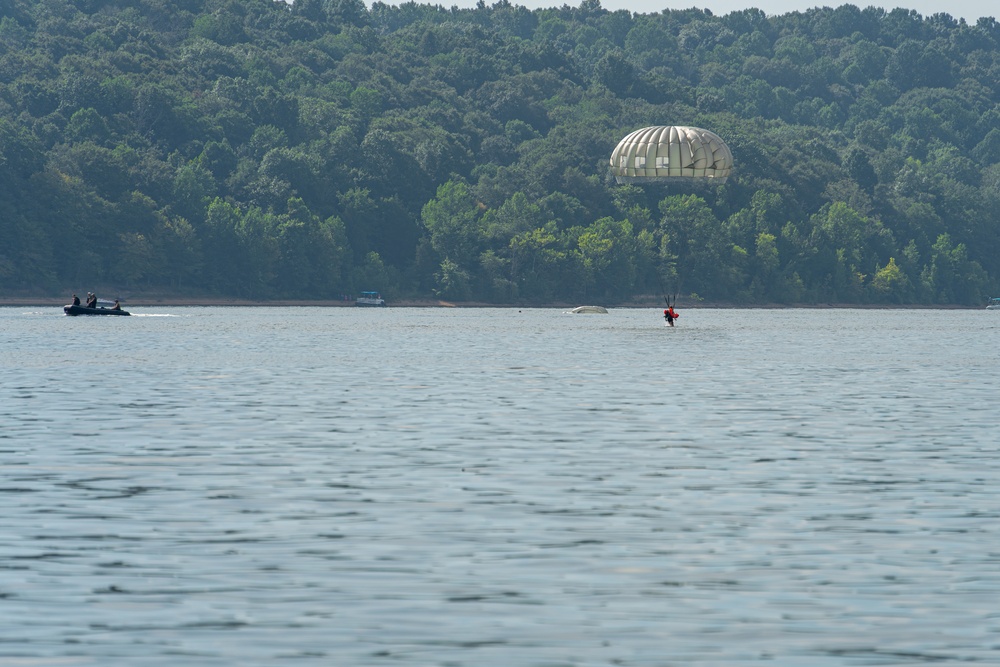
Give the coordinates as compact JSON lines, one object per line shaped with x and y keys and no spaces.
{"x":590,"y":309}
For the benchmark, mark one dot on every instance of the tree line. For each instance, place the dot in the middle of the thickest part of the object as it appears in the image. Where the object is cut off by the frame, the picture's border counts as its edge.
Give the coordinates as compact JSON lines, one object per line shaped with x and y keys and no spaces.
{"x":253,"y":148}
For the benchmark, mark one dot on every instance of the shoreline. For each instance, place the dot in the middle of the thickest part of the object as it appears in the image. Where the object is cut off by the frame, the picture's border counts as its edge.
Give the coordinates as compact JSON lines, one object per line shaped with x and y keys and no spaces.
{"x":140,"y":302}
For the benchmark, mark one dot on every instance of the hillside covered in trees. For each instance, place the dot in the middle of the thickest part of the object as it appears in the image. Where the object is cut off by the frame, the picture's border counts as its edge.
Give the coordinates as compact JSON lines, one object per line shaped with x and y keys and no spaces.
{"x":251,"y":148}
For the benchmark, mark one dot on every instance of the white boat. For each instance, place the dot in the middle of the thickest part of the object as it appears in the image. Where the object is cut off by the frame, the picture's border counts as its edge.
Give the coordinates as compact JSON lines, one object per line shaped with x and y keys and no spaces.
{"x":590,"y":309}
{"x":370,"y":299}
{"x":994,"y":303}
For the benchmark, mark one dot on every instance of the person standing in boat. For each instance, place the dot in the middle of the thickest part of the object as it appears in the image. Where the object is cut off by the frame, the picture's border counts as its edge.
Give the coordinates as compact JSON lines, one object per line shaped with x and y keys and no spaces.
{"x":670,"y":315}
{"x":76,"y":300}
{"x":91,"y":300}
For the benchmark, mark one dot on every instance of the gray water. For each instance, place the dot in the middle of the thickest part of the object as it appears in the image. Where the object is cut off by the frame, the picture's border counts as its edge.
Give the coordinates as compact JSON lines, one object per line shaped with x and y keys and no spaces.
{"x":480,"y":487}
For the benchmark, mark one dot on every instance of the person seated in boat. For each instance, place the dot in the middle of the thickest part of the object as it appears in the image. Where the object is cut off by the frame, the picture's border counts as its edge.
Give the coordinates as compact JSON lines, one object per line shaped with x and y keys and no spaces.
{"x":76,"y":300}
{"x":117,"y":305}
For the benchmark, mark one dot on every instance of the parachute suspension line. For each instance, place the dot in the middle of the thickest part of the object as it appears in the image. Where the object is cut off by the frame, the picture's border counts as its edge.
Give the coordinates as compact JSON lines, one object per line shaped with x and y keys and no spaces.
{"x":677,"y":281}
{"x":677,"y":289}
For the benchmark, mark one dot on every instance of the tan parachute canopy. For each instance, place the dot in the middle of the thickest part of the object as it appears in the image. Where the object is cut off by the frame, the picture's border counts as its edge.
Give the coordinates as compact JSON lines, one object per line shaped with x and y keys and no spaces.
{"x":669,"y":152}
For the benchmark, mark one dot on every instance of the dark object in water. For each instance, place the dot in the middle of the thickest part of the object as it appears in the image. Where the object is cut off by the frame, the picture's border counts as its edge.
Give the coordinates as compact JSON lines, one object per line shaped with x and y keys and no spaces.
{"x":83,"y":310}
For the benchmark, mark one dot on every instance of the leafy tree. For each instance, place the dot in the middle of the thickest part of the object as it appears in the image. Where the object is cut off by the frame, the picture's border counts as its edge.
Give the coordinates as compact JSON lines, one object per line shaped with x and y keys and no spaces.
{"x":951,"y":276}
{"x":451,"y":219}
{"x":87,"y":125}
{"x":452,"y":281}
{"x":135,"y":254}
{"x":616,"y":73}
{"x":891,"y":283}
{"x":194,"y":188}
{"x":536,"y":262}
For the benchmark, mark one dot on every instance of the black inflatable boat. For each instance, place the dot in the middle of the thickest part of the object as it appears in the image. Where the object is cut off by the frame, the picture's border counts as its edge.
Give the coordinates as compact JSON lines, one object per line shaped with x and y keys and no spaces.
{"x":83,"y":310}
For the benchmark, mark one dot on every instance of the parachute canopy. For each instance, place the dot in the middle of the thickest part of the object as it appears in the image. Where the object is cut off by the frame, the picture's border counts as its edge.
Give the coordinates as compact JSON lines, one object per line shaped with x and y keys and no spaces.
{"x":669,"y":152}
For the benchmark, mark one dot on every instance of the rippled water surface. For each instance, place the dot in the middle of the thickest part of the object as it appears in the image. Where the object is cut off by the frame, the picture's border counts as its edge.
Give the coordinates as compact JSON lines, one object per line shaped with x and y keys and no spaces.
{"x":479,"y":487}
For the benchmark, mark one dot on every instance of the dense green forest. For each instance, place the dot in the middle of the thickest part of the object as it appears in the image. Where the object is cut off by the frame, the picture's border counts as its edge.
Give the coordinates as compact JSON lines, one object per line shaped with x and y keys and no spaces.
{"x":257,"y":149}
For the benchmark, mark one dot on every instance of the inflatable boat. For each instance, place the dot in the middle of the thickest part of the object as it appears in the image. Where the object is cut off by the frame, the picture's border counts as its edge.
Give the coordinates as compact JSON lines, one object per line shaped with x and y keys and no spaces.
{"x":83,"y":310}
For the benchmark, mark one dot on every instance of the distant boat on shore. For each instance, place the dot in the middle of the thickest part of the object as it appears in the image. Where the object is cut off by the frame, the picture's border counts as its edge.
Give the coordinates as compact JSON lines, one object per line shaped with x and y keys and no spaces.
{"x":370,"y":299}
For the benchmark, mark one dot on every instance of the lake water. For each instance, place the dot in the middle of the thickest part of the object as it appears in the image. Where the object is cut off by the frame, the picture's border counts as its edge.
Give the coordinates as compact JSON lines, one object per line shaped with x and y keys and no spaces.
{"x":499,"y":487}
